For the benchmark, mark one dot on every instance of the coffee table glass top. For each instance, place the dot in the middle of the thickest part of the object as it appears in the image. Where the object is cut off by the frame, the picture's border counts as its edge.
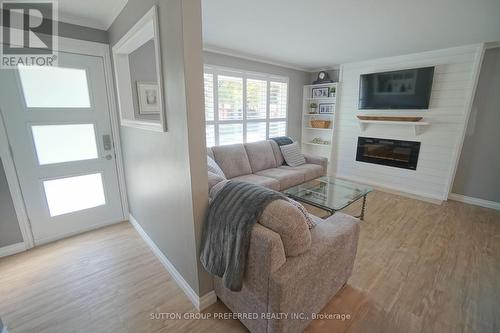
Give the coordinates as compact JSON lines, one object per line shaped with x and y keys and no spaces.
{"x":328,"y":192}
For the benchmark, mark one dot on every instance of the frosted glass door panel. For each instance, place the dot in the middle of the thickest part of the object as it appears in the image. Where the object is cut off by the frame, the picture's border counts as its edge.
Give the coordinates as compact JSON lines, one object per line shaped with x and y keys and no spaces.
{"x":54,"y":87}
{"x":67,"y":195}
{"x":64,"y":143}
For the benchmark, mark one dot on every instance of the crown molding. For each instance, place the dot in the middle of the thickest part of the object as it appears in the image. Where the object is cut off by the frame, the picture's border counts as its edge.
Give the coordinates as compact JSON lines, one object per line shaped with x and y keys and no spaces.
{"x":252,"y":57}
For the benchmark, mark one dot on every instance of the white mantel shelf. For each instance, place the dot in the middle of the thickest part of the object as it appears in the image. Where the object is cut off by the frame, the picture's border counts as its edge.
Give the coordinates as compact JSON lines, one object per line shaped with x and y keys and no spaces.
{"x":417,"y":125}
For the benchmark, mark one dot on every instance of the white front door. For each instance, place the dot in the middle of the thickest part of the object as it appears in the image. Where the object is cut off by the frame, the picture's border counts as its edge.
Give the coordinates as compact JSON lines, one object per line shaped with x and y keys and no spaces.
{"x":58,"y":125}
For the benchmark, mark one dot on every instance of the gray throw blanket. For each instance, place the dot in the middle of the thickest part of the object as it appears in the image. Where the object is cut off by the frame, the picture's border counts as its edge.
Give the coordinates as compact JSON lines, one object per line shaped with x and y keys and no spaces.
{"x":226,"y":233}
{"x":282,"y":140}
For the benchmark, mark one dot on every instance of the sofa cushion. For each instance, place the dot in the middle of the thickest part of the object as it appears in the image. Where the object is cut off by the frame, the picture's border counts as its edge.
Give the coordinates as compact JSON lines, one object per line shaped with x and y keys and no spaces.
{"x":271,"y":183}
{"x":261,"y":155}
{"x":277,"y":152}
{"x":233,"y":160}
{"x":285,"y":219}
{"x":292,"y":155}
{"x":310,"y":171}
{"x":287,"y":178}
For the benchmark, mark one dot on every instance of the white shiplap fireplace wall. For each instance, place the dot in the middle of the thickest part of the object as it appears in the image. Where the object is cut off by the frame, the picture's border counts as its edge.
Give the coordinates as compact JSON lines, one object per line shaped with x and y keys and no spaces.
{"x":455,"y":77}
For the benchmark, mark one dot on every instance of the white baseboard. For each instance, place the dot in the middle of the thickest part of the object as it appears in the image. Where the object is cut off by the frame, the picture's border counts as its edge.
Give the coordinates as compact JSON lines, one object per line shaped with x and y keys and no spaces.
{"x":207,"y":300}
{"x":474,"y":201}
{"x":12,"y":249}
{"x":381,"y":187}
{"x":200,"y":303}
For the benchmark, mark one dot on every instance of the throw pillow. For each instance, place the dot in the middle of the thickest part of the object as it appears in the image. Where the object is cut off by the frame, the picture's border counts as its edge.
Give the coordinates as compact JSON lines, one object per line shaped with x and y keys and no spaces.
{"x":214,"y":179}
{"x":310,"y":223}
{"x":214,"y":167}
{"x":292,"y":155}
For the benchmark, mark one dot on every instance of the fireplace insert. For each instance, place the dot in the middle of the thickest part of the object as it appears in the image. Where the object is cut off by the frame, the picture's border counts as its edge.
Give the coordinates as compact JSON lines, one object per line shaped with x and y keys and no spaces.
{"x":395,"y":153}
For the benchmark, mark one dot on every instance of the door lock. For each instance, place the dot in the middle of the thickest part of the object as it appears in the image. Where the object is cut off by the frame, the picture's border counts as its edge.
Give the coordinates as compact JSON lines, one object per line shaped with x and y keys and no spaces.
{"x":106,"y":142}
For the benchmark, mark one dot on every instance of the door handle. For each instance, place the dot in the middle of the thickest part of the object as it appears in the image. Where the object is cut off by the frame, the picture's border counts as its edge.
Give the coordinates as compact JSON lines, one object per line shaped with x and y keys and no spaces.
{"x":108,"y":157}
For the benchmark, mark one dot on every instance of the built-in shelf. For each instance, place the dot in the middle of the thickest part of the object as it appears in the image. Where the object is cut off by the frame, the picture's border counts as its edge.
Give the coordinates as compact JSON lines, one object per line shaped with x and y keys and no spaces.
{"x":312,"y":134}
{"x":318,"y":114}
{"x":329,"y":84}
{"x":332,"y":99}
{"x":418,"y":126}
{"x":317,"y":144}
{"x":318,"y":129}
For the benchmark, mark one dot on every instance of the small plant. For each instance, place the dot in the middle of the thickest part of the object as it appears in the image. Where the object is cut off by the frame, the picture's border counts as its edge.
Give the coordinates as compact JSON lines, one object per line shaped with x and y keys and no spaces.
{"x":313,"y":107}
{"x":332,"y":91}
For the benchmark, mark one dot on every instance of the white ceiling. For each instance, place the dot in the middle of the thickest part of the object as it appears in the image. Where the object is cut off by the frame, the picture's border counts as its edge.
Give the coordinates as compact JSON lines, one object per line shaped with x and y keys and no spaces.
{"x":312,"y":34}
{"x":97,"y":14}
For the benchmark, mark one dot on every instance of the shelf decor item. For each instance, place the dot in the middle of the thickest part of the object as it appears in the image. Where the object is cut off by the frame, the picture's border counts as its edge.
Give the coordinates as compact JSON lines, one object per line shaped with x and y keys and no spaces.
{"x":320,"y":141}
{"x":323,"y":77}
{"x":332,"y":92}
{"x":320,"y":92}
{"x":326,"y":107}
{"x":313,"y":108}
{"x":320,"y":123}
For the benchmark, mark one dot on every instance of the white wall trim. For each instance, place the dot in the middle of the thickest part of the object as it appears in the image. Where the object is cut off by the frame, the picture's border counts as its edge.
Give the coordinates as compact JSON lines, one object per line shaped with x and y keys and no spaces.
{"x":474,"y":201}
{"x":12,"y":249}
{"x":200,"y":303}
{"x":15,"y":187}
{"x":384,"y":188}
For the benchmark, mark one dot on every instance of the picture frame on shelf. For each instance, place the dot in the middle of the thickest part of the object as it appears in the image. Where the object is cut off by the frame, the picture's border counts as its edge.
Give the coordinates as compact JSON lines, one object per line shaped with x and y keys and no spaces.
{"x":320,"y":92}
{"x":326,"y":108}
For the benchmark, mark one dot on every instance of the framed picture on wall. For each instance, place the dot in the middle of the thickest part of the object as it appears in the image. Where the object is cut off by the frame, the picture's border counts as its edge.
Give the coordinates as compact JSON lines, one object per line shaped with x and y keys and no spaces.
{"x":147,"y":95}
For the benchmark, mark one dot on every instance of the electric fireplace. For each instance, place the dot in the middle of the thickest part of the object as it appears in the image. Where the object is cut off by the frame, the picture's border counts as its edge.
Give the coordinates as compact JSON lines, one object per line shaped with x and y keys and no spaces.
{"x":394,"y":153}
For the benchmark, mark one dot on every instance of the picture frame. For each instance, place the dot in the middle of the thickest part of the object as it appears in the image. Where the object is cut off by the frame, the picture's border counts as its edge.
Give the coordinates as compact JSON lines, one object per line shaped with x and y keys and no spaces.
{"x":148,"y":97}
{"x":326,"y":108}
{"x":320,"y":92}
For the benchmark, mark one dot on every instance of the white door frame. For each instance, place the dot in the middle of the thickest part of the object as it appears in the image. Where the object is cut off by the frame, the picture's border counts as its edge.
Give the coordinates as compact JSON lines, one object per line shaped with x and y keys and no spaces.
{"x":76,"y":46}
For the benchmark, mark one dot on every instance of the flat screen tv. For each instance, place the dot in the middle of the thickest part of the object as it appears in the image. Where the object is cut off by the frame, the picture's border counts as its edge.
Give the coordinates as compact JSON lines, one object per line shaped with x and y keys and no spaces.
{"x":403,"y":89}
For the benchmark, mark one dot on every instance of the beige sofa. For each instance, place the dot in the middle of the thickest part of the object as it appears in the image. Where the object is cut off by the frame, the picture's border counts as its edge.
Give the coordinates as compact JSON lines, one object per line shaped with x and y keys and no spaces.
{"x":292,"y":272}
{"x":262,"y":163}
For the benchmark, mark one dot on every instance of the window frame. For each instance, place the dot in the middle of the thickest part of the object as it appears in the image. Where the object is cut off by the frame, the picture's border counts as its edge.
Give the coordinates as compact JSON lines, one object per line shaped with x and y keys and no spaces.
{"x":216,"y":71}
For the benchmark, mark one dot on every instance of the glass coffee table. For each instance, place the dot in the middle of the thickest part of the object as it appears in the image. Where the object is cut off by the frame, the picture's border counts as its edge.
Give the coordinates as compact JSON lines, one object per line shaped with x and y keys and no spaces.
{"x":330,"y":194}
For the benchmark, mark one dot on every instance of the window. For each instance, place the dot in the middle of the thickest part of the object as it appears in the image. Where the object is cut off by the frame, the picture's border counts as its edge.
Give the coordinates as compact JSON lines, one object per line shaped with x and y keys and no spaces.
{"x":243,"y":107}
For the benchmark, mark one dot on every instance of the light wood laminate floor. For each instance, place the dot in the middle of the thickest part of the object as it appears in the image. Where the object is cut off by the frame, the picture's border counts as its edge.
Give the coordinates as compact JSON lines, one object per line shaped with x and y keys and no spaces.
{"x":420,"y":268}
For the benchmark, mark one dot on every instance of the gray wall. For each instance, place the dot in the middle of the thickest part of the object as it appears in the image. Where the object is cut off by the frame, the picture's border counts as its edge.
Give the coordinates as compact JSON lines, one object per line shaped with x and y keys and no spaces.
{"x":142,"y":66}
{"x":80,"y":32}
{"x":297,"y":80}
{"x":166,"y":173}
{"x":10,"y":233}
{"x":84,"y":33}
{"x":478,"y":173}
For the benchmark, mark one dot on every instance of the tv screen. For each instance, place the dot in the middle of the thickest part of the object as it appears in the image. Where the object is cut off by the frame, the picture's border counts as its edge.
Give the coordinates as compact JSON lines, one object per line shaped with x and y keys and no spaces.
{"x":404,"y":89}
